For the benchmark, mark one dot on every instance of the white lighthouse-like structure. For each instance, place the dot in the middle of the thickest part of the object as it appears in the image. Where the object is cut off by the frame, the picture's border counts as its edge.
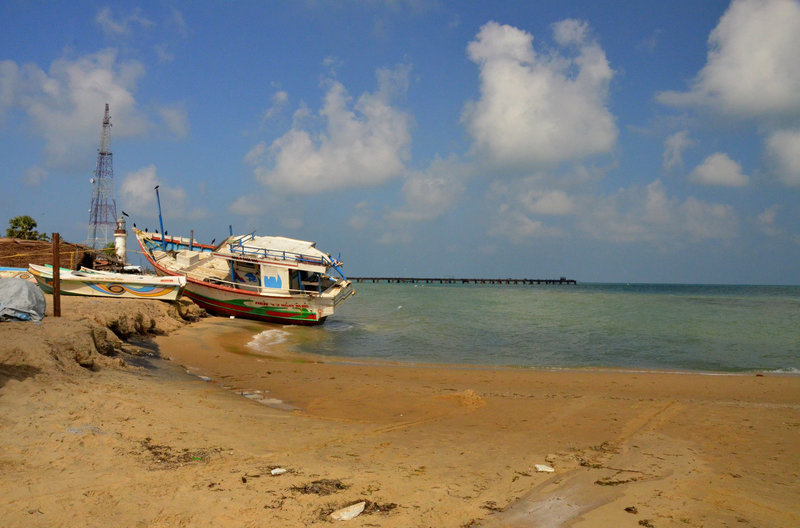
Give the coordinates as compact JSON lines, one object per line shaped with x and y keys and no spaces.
{"x":121,"y":241}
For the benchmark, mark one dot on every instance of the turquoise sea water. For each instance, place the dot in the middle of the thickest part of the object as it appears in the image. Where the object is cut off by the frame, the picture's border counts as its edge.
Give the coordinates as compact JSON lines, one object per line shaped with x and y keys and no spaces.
{"x":682,"y":327}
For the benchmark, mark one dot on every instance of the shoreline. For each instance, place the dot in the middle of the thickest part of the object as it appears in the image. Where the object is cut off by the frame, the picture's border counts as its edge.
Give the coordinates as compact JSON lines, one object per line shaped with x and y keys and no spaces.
{"x":420,"y":445}
{"x":366,"y":361}
{"x":233,"y":340}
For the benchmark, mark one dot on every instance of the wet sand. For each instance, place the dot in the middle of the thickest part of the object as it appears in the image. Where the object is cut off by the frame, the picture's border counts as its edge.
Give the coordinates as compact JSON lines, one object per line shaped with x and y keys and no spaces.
{"x":460,"y":444}
{"x":421,"y":445}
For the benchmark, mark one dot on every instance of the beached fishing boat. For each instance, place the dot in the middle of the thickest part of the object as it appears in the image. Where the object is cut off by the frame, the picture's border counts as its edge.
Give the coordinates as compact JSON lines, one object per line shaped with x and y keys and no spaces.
{"x":106,"y":284}
{"x":267,"y":278}
{"x":16,"y":273}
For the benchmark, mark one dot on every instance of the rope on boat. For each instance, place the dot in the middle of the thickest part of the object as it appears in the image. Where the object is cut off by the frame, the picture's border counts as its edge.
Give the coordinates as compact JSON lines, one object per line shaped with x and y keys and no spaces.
{"x":49,"y":253}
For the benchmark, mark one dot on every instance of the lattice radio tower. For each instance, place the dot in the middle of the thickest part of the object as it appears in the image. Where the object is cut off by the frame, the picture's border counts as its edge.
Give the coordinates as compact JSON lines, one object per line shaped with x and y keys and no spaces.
{"x":103,"y":213}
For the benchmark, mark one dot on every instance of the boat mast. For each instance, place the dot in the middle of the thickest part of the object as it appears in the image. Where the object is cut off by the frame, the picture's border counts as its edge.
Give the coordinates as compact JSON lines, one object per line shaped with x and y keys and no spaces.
{"x":161,"y":223}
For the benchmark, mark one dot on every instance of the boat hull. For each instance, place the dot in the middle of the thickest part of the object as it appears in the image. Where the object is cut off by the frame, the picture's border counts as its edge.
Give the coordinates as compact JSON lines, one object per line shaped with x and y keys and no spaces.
{"x":231,"y":304}
{"x":291,"y":309}
{"x":100,"y":287}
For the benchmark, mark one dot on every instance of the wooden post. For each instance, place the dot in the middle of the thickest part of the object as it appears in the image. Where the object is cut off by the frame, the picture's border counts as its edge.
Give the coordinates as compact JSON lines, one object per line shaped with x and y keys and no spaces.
{"x":56,"y":277}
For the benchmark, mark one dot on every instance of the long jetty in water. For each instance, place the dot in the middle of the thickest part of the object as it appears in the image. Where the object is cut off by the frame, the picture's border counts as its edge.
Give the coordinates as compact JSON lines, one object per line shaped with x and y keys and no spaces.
{"x":450,"y":280}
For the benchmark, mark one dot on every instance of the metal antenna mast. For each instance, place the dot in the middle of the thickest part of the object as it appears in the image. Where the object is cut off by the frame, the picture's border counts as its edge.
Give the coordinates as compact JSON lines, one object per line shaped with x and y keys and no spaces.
{"x":103,"y":213}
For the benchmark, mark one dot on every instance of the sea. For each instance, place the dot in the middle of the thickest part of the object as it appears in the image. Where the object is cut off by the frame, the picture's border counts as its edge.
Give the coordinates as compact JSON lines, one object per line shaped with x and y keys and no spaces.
{"x":703,"y":328}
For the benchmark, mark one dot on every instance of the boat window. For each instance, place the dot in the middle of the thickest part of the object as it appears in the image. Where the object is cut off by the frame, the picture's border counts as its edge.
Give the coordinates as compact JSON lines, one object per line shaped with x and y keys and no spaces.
{"x":294,"y":281}
{"x":246,"y":275}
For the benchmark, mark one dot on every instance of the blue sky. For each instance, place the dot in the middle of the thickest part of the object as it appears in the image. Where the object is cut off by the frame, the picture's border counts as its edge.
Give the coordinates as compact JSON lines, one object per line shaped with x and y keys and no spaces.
{"x":603,"y":141}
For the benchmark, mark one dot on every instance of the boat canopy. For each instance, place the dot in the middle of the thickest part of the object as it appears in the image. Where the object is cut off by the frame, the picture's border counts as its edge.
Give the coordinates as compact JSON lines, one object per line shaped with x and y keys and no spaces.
{"x":276,"y":248}
{"x":289,"y":245}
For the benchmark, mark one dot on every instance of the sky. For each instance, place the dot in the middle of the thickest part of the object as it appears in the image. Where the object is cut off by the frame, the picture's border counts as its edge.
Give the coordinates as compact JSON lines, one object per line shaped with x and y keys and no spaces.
{"x":609,"y":141}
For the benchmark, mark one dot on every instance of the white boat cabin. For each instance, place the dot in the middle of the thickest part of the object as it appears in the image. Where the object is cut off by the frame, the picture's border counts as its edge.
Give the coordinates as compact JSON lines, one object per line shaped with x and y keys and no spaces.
{"x":277,"y":264}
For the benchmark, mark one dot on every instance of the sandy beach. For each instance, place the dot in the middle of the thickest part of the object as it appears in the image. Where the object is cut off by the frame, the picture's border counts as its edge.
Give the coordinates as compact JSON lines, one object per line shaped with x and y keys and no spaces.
{"x":99,"y":432}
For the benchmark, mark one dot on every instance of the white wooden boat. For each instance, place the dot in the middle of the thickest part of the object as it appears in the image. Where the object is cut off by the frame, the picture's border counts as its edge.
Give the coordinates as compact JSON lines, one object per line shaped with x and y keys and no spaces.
{"x":16,"y":273}
{"x":106,"y":284}
{"x":266,"y":278}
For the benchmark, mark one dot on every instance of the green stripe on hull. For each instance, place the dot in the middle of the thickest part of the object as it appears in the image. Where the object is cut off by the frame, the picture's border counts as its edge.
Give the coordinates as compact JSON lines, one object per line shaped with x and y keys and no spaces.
{"x":241,"y":305}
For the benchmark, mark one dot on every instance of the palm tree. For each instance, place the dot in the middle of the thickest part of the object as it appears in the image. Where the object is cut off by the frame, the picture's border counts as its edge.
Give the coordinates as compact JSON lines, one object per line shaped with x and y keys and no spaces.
{"x":24,"y":227}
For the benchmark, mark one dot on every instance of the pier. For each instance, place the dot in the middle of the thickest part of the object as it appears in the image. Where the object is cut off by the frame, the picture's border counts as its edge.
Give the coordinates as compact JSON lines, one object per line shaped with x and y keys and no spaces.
{"x":450,"y":280}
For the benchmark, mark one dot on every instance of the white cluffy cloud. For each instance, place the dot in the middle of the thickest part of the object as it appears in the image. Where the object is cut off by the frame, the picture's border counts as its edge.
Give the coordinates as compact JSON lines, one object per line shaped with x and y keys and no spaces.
{"x":674,"y":146}
{"x":65,"y":105}
{"x":431,"y":193}
{"x":137,"y":193}
{"x":752,"y":67}
{"x":783,"y":147}
{"x":521,"y":203}
{"x":121,"y":26}
{"x":514,"y":224}
{"x":176,"y":119}
{"x":649,"y":214}
{"x":719,"y":169}
{"x":751,"y":73}
{"x":539,"y":109}
{"x":766,"y":221}
{"x":279,"y":100}
{"x":138,"y":196}
{"x":551,"y":202}
{"x":363,"y":143}
{"x":635,"y":214}
{"x":35,"y":176}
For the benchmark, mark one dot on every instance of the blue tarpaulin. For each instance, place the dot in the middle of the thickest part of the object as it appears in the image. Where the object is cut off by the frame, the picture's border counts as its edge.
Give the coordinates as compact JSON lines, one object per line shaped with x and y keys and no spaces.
{"x":21,"y":300}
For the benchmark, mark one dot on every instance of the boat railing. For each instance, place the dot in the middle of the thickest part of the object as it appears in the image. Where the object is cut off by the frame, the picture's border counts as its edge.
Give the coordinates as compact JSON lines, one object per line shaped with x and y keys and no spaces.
{"x":263,"y":289}
{"x":155,"y":241}
{"x":238,"y":247}
{"x":272,"y":291}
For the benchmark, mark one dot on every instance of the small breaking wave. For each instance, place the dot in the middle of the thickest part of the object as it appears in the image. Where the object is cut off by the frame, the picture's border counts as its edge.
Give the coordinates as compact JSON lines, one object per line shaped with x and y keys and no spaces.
{"x":784,"y":370}
{"x":264,"y":341}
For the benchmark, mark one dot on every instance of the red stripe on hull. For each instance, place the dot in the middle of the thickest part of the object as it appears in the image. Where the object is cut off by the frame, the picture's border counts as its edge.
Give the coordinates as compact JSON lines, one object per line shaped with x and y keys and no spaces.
{"x":225,"y":309}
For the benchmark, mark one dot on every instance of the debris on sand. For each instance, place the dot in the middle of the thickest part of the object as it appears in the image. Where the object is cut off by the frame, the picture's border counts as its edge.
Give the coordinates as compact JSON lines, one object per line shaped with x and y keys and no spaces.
{"x":374,"y":507}
{"x":349,"y":512}
{"x":492,"y":506}
{"x":165,"y":457}
{"x":362,"y":507}
{"x":321,"y":487}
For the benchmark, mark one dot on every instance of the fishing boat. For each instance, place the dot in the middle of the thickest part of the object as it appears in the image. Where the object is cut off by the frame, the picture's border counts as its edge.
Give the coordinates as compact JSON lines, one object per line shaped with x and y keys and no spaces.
{"x":266,"y":278}
{"x":16,"y":273}
{"x":107,"y":284}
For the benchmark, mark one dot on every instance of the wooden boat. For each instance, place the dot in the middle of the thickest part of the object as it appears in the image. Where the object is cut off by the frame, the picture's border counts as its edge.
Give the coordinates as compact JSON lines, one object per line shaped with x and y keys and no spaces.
{"x":106,"y":284}
{"x":16,"y":273}
{"x":266,"y":278}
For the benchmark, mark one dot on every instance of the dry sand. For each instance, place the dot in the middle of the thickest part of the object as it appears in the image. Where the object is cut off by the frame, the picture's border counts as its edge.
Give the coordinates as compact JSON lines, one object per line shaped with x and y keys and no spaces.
{"x":115,"y":444}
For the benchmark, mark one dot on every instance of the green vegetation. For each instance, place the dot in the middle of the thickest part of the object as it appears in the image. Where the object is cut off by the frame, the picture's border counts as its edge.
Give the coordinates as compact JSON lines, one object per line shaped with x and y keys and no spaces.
{"x":24,"y":227}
